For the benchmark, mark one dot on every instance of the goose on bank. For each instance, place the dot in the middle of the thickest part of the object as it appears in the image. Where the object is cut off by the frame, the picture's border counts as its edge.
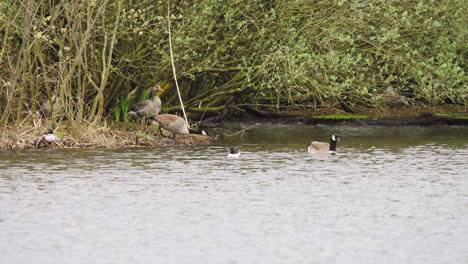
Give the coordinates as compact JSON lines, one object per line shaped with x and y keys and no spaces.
{"x":176,"y":125}
{"x":393,"y":99}
{"x":234,"y":152}
{"x":45,"y":110}
{"x":323,"y":147}
{"x":147,"y":108}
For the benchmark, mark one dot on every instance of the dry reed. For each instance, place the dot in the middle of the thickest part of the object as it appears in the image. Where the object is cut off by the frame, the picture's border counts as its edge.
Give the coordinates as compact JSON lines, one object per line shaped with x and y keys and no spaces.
{"x":73,"y":135}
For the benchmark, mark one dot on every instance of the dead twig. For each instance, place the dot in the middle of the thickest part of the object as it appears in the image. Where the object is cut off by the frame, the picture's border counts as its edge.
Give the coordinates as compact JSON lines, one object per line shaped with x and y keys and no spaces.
{"x":242,"y":131}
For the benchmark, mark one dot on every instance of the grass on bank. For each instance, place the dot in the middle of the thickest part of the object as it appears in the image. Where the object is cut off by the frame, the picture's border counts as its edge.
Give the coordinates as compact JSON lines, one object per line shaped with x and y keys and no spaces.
{"x":353,"y":117}
{"x":451,"y":115}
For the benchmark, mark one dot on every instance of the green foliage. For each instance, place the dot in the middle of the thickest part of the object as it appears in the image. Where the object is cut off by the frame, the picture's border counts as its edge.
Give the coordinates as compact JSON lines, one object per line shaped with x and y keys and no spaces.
{"x":124,"y":105}
{"x":229,"y":53}
{"x":146,"y":94}
{"x":122,"y":109}
{"x":458,"y":116}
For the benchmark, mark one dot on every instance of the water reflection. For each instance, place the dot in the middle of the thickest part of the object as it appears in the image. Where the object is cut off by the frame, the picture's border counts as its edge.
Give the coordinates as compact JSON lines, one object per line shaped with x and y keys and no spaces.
{"x":391,"y":195}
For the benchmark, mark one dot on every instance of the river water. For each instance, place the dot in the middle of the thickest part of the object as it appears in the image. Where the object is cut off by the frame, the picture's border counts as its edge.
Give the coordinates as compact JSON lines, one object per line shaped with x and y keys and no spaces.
{"x":390,"y":195}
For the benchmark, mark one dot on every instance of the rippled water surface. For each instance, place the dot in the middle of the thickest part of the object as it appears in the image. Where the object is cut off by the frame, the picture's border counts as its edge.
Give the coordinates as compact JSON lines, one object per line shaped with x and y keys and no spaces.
{"x":391,"y":195}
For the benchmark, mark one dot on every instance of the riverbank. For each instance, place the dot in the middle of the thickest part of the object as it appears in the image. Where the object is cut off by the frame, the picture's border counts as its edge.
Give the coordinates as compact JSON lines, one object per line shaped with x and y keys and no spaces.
{"x":27,"y":135}
{"x":115,"y":135}
{"x":333,"y":116}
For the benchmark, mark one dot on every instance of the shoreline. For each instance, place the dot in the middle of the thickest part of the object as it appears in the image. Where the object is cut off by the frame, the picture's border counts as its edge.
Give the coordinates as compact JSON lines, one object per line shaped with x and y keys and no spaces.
{"x":421,"y":120}
{"x":332,"y":116}
{"x":129,"y":135}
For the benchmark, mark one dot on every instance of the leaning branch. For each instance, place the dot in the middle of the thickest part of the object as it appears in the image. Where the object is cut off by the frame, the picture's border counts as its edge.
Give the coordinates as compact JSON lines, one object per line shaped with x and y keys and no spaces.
{"x":172,"y":59}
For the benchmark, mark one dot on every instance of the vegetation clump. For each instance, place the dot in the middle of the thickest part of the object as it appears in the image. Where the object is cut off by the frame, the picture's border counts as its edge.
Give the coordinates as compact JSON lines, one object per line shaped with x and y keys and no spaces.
{"x":90,"y":136}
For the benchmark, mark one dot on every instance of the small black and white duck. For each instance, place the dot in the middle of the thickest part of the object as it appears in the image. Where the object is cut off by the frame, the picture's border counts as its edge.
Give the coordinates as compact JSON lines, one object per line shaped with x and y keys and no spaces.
{"x":147,"y":108}
{"x":234,"y":152}
{"x":49,"y":137}
{"x":176,"y":125}
{"x":323,"y":147}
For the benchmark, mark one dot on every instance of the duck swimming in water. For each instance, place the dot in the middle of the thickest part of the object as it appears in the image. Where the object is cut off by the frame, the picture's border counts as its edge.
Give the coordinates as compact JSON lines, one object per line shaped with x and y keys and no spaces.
{"x":234,"y":152}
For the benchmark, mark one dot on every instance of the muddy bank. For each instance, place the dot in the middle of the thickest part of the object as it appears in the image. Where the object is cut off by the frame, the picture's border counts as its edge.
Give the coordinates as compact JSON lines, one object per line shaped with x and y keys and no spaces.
{"x":31,"y":137}
{"x":422,"y":120}
{"x":401,"y":117}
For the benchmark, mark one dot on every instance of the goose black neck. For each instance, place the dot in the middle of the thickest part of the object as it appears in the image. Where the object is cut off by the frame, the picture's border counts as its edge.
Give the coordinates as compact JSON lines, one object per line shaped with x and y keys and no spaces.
{"x":332,"y":145}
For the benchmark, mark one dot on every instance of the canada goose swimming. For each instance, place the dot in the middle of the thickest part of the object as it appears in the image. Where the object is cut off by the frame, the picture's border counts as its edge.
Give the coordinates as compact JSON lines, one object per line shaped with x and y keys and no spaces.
{"x":234,"y":152}
{"x":176,"y":125}
{"x":147,"y":108}
{"x":49,"y":137}
{"x":323,"y":147}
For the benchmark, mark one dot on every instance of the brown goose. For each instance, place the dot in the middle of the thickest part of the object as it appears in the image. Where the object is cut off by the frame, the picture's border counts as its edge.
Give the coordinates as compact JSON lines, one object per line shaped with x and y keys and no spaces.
{"x":45,"y":110}
{"x":147,"y":108}
{"x":393,"y":99}
{"x":322,"y":147}
{"x":175,"y":124}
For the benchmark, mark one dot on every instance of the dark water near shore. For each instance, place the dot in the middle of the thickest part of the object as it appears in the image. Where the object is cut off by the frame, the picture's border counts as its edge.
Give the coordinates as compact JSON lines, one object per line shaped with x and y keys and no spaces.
{"x":391,"y":195}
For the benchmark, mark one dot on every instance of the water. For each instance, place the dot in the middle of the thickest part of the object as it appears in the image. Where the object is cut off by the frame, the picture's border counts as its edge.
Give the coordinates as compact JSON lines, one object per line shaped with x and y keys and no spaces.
{"x":391,"y":195}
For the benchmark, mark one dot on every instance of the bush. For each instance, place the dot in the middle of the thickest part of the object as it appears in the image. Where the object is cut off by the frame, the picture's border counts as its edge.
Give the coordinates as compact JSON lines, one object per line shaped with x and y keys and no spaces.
{"x":229,"y":53}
